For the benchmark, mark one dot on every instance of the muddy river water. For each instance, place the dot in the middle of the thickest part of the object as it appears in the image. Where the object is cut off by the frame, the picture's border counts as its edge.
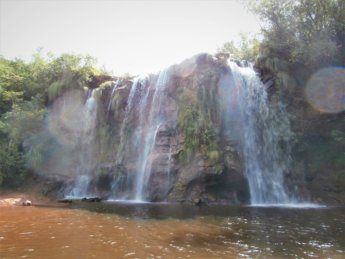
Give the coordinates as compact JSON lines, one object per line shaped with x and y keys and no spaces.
{"x":115,"y":230}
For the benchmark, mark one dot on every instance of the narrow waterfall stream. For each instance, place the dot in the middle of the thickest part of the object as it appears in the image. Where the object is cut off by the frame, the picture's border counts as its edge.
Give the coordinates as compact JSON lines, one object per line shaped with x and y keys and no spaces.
{"x":124,"y":127}
{"x":148,"y":135}
{"x":85,"y":165}
{"x":115,"y":85}
{"x":264,"y":138}
{"x":145,"y":98}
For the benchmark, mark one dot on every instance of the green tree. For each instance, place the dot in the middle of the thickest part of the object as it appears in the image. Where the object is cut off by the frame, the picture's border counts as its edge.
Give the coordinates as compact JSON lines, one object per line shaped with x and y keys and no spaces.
{"x":308,"y":32}
{"x":247,"y":48}
{"x":26,"y":89}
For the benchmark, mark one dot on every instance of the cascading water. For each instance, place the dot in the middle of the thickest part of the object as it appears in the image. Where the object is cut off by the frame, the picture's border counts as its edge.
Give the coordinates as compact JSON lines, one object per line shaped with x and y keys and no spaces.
{"x":263,"y":136}
{"x":116,"y":84}
{"x":146,"y":98}
{"x":85,"y":165}
{"x":169,"y":161}
{"x":80,"y":187}
{"x":119,"y":185}
{"x":144,"y":152}
{"x":147,"y":132}
{"x":130,"y":103}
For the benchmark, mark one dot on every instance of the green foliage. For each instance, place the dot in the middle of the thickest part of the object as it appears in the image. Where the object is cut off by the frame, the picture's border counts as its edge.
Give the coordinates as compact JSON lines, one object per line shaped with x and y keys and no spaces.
{"x":17,"y":127}
{"x":339,"y":142}
{"x":69,"y":72}
{"x":213,"y":155}
{"x":189,"y":121}
{"x":25,"y":91}
{"x":24,"y":120}
{"x":195,"y":121}
{"x":38,"y":147}
{"x":247,"y":48}
{"x":12,"y":166}
{"x":323,"y":155}
{"x":308,"y":32}
{"x":338,"y":136}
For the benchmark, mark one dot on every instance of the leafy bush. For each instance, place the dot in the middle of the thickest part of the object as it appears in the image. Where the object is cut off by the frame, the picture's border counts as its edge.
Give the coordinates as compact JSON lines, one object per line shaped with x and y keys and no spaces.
{"x":247,"y":48}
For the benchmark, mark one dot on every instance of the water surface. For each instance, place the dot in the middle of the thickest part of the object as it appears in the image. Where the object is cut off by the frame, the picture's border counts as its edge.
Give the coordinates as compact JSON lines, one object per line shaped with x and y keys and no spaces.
{"x":171,"y":231}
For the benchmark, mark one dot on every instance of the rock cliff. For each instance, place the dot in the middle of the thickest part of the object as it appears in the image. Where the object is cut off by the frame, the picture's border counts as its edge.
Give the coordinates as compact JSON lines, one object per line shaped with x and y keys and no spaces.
{"x":188,"y":161}
{"x":176,"y":136}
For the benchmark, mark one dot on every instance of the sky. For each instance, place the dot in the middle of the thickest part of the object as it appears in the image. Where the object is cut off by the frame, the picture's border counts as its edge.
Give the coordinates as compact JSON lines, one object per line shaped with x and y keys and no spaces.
{"x":135,"y":37}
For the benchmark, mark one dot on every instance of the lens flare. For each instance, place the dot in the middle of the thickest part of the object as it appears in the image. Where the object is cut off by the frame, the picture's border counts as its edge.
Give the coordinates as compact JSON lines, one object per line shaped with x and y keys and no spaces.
{"x":325,"y":90}
{"x":65,"y":120}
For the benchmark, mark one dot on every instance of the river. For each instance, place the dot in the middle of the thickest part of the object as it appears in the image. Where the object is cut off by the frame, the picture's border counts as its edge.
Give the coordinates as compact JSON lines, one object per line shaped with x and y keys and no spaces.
{"x":118,"y":230}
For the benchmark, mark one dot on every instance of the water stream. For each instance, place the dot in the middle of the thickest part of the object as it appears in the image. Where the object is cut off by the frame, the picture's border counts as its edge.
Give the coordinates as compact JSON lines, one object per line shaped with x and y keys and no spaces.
{"x":116,"y":84}
{"x":145,"y":98}
{"x":148,"y":130}
{"x":263,"y":135}
{"x":85,"y":138}
{"x":124,"y":127}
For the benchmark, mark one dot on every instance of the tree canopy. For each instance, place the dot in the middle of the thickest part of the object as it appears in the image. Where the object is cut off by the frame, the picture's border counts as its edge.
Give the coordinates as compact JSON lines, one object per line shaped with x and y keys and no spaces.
{"x":308,"y":32}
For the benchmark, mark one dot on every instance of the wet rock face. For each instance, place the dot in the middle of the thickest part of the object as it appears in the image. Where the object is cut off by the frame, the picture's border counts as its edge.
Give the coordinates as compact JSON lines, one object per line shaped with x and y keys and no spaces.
{"x":228,"y":187}
{"x":188,"y":161}
{"x":162,"y":175}
{"x":201,"y":181}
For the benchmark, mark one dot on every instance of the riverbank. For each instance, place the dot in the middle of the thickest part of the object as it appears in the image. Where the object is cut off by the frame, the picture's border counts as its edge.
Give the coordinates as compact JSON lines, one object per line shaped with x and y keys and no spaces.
{"x":13,"y":198}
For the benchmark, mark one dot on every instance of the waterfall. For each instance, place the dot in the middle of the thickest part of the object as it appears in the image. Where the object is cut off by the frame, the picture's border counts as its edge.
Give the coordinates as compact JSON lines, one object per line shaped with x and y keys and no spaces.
{"x":169,"y":160}
{"x":263,"y":135}
{"x":260,"y":131}
{"x":80,"y":187}
{"x":85,"y":145}
{"x":145,"y":98}
{"x":116,"y":84}
{"x":147,"y":132}
{"x":119,"y":182}
{"x":129,"y":109}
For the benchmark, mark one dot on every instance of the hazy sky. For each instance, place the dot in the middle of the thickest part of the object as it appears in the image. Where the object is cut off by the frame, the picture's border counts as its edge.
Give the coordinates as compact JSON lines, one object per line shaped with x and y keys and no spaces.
{"x":125,"y":36}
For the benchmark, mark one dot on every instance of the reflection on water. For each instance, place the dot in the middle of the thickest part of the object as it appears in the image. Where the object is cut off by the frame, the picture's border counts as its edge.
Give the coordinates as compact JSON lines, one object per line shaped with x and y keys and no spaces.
{"x":209,"y":232}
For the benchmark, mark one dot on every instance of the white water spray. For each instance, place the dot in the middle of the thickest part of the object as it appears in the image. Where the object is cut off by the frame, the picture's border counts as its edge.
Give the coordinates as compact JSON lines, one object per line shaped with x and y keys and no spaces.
{"x":261,"y":134}
{"x":148,"y":132}
{"x":85,"y":165}
{"x":130,"y":103}
{"x":116,"y":84}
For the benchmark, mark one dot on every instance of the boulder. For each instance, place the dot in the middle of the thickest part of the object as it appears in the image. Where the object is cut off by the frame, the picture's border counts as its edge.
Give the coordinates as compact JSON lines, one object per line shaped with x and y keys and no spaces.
{"x":26,"y":203}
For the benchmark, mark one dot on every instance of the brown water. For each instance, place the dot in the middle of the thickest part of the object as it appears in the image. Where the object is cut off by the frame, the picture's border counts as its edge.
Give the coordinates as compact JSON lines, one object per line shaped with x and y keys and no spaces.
{"x":144,"y":231}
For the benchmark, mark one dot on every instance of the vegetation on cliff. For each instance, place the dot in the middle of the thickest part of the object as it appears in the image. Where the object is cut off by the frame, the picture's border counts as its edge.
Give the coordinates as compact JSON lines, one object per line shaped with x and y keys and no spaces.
{"x":197,"y":117}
